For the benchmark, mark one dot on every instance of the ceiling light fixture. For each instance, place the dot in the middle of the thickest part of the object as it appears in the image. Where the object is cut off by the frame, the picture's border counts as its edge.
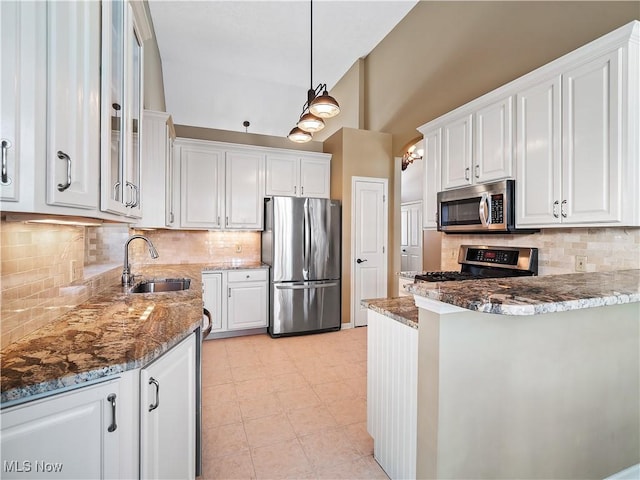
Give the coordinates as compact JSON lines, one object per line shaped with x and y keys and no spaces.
{"x":411,"y":155}
{"x":319,"y":103}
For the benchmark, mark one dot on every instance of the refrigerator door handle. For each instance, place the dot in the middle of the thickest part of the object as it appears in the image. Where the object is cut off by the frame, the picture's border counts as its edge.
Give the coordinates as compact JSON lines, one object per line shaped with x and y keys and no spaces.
{"x":307,"y":287}
{"x":307,"y":241}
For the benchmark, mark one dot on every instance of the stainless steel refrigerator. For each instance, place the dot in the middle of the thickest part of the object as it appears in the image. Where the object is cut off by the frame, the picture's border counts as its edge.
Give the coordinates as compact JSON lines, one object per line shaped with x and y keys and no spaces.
{"x":301,"y":244}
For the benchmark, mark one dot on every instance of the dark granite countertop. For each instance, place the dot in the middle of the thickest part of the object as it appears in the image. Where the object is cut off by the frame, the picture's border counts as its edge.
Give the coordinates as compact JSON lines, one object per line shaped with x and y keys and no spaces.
{"x":402,"y":309}
{"x":112,"y":332}
{"x":536,"y":295}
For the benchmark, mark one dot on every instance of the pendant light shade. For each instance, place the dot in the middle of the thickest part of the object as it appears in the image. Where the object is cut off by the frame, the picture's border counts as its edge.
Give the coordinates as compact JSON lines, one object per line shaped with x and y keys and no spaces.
{"x":299,"y":136}
{"x":324,"y":106}
{"x":310,"y":123}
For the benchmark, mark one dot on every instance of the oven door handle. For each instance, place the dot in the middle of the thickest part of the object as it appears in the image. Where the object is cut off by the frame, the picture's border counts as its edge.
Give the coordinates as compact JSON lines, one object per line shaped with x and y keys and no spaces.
{"x":484,"y":209}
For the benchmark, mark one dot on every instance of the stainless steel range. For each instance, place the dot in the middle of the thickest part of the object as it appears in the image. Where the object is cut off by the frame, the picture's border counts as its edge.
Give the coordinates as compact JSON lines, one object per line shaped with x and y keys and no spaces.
{"x":481,"y":261}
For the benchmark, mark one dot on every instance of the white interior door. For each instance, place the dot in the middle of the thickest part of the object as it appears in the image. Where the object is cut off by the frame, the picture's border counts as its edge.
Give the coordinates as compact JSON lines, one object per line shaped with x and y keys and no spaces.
{"x":369,"y":243}
{"x":411,"y":237}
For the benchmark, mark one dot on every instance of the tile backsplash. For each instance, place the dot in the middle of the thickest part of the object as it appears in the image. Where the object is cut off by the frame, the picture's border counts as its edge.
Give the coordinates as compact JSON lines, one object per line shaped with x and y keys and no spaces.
{"x":42,"y":269}
{"x":46,"y":270}
{"x":605,"y":248}
{"x":196,"y":246}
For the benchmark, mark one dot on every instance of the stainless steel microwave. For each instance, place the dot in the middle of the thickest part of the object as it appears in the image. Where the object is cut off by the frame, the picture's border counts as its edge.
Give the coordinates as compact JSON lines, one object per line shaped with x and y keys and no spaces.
{"x":487,"y":208}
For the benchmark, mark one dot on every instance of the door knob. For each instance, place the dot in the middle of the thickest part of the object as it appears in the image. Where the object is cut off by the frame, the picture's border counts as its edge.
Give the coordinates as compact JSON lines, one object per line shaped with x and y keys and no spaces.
{"x":360,"y":260}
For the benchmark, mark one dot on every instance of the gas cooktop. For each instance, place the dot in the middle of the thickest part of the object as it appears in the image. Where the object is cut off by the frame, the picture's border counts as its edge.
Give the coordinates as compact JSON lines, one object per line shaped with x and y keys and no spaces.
{"x":481,"y":261}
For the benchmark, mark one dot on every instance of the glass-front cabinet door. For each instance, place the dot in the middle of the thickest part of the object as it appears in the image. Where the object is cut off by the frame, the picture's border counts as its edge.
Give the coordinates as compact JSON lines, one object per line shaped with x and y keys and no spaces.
{"x":121,"y":110}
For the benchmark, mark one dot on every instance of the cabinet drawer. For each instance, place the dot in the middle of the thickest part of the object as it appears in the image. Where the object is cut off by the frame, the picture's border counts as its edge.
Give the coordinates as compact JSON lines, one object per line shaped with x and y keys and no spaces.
{"x":247,"y":275}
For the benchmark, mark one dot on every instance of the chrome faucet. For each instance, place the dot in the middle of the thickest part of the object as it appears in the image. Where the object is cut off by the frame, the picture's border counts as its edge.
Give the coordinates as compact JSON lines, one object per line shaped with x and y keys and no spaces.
{"x":127,"y":278}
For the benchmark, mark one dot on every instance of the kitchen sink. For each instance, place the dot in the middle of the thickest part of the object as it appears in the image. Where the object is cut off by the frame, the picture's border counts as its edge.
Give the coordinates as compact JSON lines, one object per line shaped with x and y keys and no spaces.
{"x":157,"y":286}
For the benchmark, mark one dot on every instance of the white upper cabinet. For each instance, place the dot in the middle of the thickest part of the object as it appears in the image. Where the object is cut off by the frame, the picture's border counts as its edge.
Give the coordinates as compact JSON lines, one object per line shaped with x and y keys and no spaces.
{"x":298,"y":175}
{"x":121,"y":110}
{"x":431,"y":162}
{"x":202,"y":185}
{"x":244,"y":190}
{"x":156,"y":166}
{"x":11,"y":18}
{"x":221,"y":185}
{"x":538,"y":153}
{"x":315,"y":177}
{"x":73,"y":103}
{"x":477,"y":144}
{"x":457,"y":151}
{"x":592,"y":104}
{"x":578,"y":138}
{"x":283,"y":175}
{"x":493,"y":155}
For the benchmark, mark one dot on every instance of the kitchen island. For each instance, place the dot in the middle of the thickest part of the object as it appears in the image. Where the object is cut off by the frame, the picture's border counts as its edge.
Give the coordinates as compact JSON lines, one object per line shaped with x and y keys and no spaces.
{"x":535,"y":377}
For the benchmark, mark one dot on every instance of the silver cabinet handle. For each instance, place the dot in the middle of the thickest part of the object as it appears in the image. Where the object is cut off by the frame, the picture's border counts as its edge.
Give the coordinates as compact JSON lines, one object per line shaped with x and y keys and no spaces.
{"x":153,"y":381}
{"x":302,"y":190}
{"x":229,"y":292}
{"x":466,"y":173}
{"x":171,"y":220}
{"x":6,"y":145}
{"x":116,"y":186}
{"x":136,"y":190}
{"x":226,"y":220}
{"x":218,"y":219}
{"x":112,"y":399}
{"x":64,"y":156}
{"x":563,"y":210}
{"x":555,"y":209}
{"x":477,"y":171}
{"x":295,"y":189}
{"x":135,"y":197}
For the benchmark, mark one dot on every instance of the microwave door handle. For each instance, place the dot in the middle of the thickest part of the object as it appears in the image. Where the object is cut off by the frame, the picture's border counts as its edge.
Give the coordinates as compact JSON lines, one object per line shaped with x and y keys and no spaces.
{"x":484,"y":209}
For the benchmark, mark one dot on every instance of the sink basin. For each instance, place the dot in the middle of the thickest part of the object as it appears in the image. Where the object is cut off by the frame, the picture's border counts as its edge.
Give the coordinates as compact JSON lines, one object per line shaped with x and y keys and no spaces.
{"x":166,"y":285}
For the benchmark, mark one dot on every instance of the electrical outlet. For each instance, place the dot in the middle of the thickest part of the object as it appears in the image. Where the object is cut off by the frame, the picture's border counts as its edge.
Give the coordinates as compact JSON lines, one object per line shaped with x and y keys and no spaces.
{"x":75,"y":271}
{"x":238,"y":248}
{"x":581,"y":263}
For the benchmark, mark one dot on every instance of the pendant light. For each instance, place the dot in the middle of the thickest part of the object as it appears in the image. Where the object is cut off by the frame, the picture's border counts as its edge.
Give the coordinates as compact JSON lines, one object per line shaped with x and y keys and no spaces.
{"x":317,"y":106}
{"x":299,"y":136}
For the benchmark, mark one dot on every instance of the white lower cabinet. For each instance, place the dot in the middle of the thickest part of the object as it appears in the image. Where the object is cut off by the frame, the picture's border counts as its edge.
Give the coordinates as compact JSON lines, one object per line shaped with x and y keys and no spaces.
{"x":246,"y":299}
{"x":140,"y":424}
{"x":237,"y":300}
{"x":168,"y":414}
{"x":76,"y":435}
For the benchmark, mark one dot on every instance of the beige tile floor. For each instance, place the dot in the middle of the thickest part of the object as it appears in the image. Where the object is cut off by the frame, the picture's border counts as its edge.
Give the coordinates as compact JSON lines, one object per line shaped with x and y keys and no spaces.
{"x":287,"y":408}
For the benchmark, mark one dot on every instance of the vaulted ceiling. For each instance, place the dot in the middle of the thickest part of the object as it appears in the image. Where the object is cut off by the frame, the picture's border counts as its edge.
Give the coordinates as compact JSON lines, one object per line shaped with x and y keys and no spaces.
{"x":226,"y":62}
